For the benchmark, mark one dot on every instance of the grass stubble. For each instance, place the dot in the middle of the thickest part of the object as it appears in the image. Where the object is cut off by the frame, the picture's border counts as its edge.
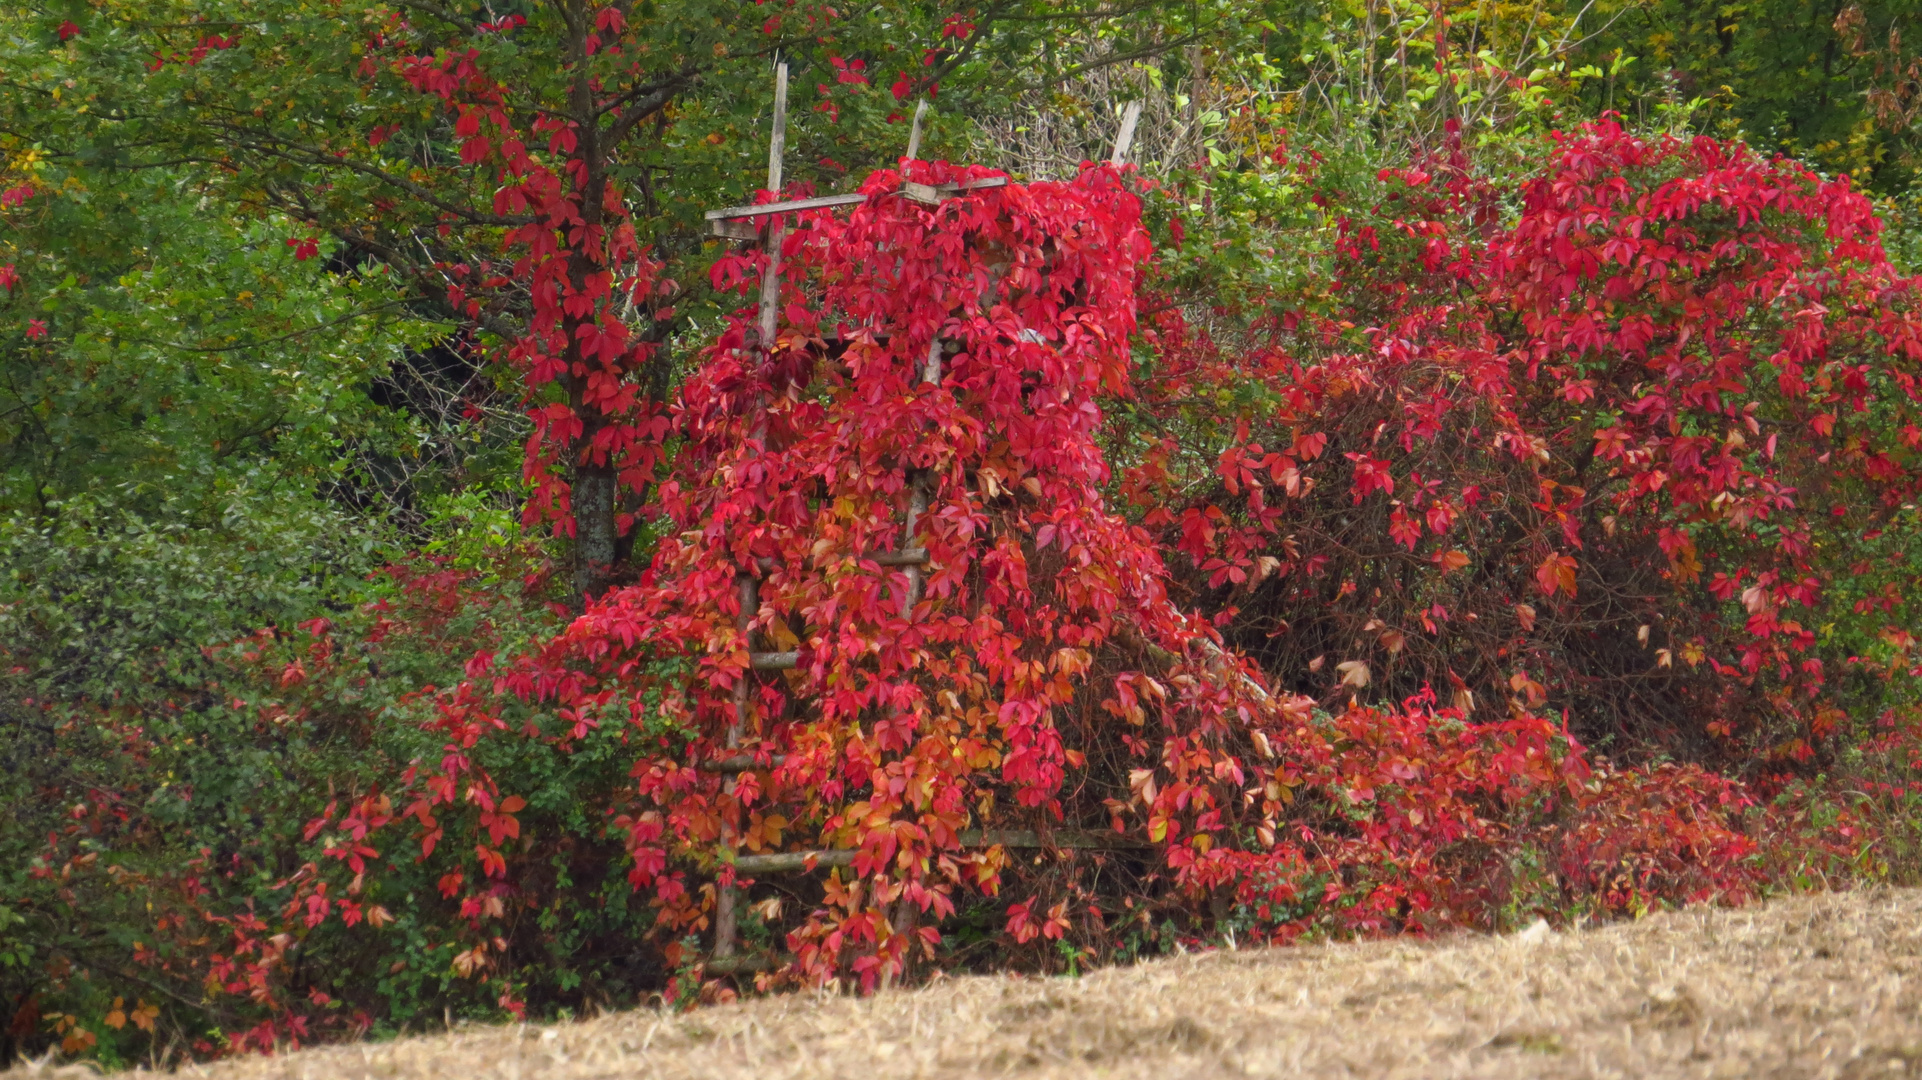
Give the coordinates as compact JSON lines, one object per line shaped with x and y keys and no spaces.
{"x":1826,"y":985}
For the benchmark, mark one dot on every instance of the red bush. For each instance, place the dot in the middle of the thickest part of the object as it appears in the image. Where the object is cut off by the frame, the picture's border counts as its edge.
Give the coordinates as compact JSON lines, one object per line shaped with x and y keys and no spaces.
{"x":1618,"y":456}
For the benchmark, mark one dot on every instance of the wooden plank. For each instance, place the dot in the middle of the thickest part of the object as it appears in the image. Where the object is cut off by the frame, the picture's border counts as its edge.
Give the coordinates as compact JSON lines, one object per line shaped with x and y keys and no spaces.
{"x":1058,"y":839}
{"x":740,"y":763}
{"x":726,"y":918}
{"x":910,"y":557}
{"x":936,"y":194}
{"x":787,"y":862}
{"x":914,"y":134}
{"x":748,"y":963}
{"x":1125,"y":140}
{"x":925,"y":194}
{"x":789,"y":207}
{"x":820,"y":202}
{"x":773,"y":661}
{"x":777,"y":140}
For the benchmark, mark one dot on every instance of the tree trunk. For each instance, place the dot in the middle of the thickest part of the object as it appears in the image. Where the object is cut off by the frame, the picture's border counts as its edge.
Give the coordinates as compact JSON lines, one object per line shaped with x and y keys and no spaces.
{"x":596,"y":539}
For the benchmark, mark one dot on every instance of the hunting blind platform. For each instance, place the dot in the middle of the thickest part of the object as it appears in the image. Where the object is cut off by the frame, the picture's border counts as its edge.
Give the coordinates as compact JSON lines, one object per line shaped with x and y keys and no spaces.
{"x":763,"y":224}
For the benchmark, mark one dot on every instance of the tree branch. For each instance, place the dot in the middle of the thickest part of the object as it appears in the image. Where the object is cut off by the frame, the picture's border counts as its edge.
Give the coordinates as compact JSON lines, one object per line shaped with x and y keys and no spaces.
{"x":274,"y":145}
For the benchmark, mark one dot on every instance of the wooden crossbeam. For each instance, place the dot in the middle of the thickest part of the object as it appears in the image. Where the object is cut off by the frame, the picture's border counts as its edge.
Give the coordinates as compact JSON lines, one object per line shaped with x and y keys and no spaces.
{"x":788,"y":862}
{"x":924,"y":193}
{"x":910,"y":557}
{"x":740,"y":763}
{"x":935,"y":194}
{"x":748,"y":963}
{"x":791,"y":206}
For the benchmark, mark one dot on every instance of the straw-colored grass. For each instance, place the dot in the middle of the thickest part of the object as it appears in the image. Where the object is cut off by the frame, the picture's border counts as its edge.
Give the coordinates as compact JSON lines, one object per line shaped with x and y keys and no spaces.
{"x":1816,"y":986}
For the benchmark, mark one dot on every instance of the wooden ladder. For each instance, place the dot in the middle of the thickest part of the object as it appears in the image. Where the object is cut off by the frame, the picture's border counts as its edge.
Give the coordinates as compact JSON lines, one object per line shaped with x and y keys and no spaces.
{"x":763,"y":223}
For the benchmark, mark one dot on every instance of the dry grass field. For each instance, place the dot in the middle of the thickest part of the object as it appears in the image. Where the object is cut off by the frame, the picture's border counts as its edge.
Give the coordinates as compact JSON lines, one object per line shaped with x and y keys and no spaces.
{"x":1816,"y":986}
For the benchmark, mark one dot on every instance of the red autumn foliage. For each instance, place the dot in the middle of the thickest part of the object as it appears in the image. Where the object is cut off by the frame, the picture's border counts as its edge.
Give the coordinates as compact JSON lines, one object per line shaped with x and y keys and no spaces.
{"x":1610,"y":457}
{"x":979,"y":337}
{"x":1042,"y":674}
{"x":1432,"y":467}
{"x":571,"y":276}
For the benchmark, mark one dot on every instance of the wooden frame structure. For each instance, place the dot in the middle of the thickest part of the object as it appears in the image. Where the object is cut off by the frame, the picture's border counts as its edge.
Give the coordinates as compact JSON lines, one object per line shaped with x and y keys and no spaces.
{"x":762,"y":223}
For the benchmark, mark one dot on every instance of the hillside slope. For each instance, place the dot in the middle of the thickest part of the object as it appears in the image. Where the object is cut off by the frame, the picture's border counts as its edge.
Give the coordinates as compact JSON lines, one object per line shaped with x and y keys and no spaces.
{"x":1819,"y":986}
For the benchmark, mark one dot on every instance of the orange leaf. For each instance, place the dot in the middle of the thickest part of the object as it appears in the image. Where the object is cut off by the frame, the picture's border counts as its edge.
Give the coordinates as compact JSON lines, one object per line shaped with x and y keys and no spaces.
{"x":1557,"y":572}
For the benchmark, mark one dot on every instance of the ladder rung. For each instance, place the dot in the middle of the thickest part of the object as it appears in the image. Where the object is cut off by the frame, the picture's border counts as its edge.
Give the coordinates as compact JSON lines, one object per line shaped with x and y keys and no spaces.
{"x":786,"y":862}
{"x":910,"y":557}
{"x":773,"y":661}
{"x":935,"y":194}
{"x":745,"y":963}
{"x":740,"y":763}
{"x":1060,"y":839}
{"x":816,"y":203}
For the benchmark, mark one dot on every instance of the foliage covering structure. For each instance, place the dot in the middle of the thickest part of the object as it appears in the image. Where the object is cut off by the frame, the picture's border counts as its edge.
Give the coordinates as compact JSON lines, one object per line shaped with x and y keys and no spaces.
{"x":426,"y":703}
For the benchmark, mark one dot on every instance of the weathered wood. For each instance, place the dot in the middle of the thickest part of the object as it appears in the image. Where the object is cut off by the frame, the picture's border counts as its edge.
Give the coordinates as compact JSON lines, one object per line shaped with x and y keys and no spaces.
{"x":1055,"y":840}
{"x":822,"y":202}
{"x":787,"y":862}
{"x":1125,"y":140}
{"x":735,"y":230}
{"x":818,"y":202}
{"x":936,"y":194}
{"x":777,"y":139}
{"x":914,"y":133}
{"x":773,"y":661}
{"x":748,"y":963}
{"x":979,"y":184}
{"x":910,"y":557}
{"x":726,"y":901}
{"x":926,"y":194}
{"x":739,"y":763}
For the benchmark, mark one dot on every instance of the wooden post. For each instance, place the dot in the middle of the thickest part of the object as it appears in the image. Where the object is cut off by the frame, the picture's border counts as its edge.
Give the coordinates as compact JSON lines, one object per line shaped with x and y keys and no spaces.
{"x":771,"y":278}
{"x":1125,"y":141}
{"x":914,"y":134}
{"x":903,"y":919}
{"x":747,"y":585}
